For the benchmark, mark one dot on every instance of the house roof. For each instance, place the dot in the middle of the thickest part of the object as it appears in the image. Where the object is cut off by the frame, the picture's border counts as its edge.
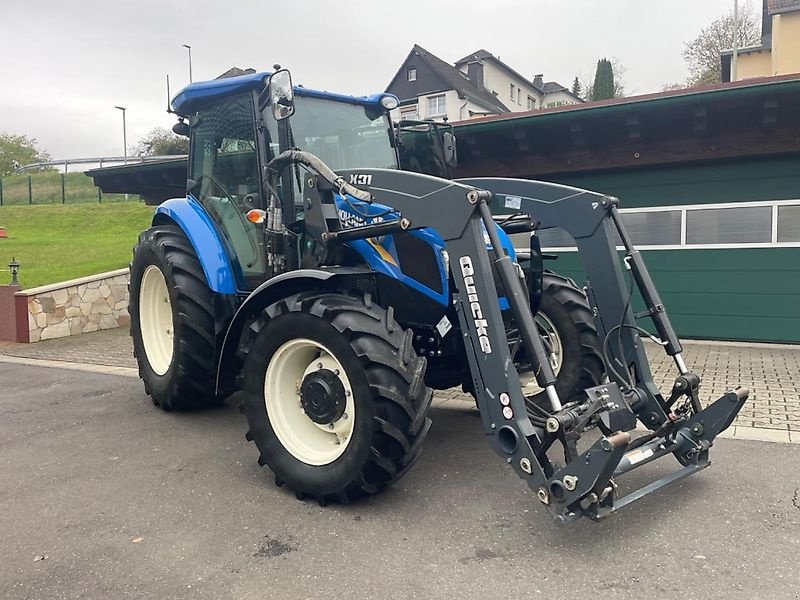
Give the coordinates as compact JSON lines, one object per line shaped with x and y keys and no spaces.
{"x":486,"y":55}
{"x":458,"y":81}
{"x":548,"y":87}
{"x":782,"y":6}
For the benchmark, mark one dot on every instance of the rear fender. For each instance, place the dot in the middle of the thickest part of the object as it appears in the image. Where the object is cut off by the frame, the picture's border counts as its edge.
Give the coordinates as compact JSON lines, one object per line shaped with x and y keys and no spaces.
{"x":189,"y":215}
{"x":267,"y":293}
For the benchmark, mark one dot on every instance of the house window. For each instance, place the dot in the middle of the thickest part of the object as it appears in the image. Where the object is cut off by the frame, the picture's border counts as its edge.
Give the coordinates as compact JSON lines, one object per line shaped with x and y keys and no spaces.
{"x":531,"y":103}
{"x":411,"y":73}
{"x":519,"y":95}
{"x":409,"y":113}
{"x":436,"y":106}
{"x":512,"y":88}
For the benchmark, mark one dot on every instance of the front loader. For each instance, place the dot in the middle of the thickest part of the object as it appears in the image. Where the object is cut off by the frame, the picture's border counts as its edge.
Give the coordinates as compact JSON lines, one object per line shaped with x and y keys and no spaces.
{"x":331,"y":349}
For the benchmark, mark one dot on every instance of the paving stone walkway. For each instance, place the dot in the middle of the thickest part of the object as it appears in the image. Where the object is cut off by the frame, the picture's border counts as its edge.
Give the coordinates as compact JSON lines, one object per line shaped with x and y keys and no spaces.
{"x":772,"y":372}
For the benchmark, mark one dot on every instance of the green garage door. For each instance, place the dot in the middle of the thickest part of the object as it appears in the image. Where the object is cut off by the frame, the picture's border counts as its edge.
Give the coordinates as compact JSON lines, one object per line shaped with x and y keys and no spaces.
{"x":722,"y":242}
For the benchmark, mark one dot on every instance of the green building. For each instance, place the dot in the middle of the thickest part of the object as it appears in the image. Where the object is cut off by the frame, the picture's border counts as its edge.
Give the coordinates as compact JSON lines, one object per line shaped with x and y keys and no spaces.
{"x":709,"y":187}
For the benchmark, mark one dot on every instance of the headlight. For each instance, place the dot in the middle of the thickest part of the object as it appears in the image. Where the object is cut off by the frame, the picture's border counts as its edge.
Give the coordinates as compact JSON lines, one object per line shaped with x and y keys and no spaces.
{"x":389,"y":102}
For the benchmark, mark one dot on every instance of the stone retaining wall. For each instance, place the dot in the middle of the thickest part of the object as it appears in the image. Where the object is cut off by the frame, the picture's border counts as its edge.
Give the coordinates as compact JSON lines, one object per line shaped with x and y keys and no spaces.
{"x":77,"y":306}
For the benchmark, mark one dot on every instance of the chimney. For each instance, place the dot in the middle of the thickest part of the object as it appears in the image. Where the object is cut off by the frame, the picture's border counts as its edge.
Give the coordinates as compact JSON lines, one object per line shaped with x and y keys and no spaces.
{"x":475,"y":73}
{"x":538,"y":81}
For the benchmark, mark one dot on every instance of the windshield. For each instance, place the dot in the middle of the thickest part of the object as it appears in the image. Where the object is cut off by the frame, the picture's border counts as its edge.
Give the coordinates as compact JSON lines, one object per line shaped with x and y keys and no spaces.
{"x":342,"y":135}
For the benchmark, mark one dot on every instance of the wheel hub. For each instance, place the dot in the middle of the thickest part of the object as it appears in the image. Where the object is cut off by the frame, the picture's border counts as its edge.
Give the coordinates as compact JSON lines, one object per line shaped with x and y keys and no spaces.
{"x":322,"y":397}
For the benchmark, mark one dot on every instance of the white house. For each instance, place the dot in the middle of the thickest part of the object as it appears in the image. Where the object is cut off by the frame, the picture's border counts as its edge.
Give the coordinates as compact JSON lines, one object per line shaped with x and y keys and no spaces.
{"x":478,"y":85}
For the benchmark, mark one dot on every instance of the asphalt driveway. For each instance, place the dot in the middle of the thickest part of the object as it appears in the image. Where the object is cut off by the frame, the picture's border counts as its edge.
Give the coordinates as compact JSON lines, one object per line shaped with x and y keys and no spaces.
{"x":103,"y":496}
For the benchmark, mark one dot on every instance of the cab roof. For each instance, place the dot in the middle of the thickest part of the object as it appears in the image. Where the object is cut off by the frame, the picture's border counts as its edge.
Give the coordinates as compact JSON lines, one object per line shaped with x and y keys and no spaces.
{"x":195,"y":95}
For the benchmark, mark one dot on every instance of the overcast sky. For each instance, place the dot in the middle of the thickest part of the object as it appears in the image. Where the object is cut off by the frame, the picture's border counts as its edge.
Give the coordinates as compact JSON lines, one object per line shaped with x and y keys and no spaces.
{"x":65,"y":65}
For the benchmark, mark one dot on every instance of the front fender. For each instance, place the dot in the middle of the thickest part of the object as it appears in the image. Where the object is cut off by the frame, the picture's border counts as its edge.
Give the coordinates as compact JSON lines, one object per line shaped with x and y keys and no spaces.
{"x":188,"y":214}
{"x":268,"y":293}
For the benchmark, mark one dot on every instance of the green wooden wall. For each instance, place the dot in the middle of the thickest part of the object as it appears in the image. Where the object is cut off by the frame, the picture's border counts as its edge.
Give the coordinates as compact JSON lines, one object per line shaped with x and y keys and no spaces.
{"x":732,"y":181}
{"x":751,"y":294}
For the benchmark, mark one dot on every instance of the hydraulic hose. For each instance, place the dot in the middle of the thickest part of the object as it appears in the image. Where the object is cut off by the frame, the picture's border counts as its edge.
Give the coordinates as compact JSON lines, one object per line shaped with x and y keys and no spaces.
{"x":320,"y":168}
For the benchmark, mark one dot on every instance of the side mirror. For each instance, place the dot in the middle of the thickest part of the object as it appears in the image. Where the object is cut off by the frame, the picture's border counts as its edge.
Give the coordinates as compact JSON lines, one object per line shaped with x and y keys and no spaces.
{"x":281,"y":94}
{"x":449,"y":149}
{"x":181,"y":128}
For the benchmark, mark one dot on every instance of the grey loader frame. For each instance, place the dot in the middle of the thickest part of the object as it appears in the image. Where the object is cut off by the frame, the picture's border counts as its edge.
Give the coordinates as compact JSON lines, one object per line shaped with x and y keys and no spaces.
{"x":460,"y":212}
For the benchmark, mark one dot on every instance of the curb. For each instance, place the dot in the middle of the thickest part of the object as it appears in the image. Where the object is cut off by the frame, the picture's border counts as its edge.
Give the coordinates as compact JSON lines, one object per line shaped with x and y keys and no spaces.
{"x":71,"y":366}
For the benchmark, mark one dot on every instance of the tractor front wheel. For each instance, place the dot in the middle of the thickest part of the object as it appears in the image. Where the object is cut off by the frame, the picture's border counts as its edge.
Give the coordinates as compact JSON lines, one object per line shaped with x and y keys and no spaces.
{"x":334,"y":395}
{"x":172,"y":321}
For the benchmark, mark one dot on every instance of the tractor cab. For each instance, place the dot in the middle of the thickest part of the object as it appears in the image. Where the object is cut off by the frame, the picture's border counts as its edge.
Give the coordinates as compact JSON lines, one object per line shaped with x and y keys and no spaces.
{"x":236,"y":129}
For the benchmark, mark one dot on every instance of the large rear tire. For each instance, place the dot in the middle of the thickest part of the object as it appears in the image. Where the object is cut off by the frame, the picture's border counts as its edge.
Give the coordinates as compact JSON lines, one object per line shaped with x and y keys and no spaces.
{"x":334,"y":395}
{"x":567,"y":324}
{"x":172,"y":321}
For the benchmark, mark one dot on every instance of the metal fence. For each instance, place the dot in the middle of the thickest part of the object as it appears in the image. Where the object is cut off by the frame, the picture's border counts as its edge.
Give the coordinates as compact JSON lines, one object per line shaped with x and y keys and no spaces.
{"x":50,"y":187}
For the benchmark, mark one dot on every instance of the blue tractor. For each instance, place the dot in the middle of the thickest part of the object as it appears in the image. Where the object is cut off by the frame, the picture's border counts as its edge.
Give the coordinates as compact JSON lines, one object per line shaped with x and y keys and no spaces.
{"x":291,"y":272}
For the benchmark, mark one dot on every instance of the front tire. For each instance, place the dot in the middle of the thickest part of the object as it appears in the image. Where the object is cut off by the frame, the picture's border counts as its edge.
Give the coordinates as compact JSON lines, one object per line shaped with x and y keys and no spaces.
{"x":334,"y":395}
{"x":172,"y":321}
{"x":566,"y":322}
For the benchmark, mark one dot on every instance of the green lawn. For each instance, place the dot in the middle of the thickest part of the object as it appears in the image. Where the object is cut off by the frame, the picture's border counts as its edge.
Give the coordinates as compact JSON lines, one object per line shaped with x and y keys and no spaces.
{"x":59,"y":242}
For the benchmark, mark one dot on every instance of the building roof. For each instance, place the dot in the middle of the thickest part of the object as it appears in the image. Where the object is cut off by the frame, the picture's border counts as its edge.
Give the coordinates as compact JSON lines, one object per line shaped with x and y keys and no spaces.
{"x":486,"y":55}
{"x":548,"y":87}
{"x":458,"y":81}
{"x":626,"y":104}
{"x":782,"y":6}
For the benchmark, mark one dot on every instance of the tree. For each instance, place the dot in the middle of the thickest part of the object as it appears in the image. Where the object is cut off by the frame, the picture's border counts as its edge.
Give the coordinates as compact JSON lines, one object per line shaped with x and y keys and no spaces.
{"x":161,"y":142}
{"x":703,"y":54}
{"x":603,"y":86}
{"x":17,"y":151}
{"x":576,"y":87}
{"x":618,"y":71}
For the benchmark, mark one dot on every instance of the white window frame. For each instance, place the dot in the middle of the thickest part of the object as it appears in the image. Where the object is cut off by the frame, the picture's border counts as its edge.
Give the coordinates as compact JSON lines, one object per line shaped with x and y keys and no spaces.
{"x":444,"y":105}
{"x":512,"y":88}
{"x":688,"y":208}
{"x":411,"y":71}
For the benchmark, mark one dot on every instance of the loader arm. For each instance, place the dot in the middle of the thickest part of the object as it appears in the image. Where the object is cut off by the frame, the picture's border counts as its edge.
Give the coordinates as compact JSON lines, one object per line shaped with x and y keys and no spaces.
{"x":459,"y":211}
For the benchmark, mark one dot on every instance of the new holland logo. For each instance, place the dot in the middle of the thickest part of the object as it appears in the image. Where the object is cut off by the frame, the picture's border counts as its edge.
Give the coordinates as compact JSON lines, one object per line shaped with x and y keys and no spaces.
{"x":360,"y":179}
{"x":481,"y":325}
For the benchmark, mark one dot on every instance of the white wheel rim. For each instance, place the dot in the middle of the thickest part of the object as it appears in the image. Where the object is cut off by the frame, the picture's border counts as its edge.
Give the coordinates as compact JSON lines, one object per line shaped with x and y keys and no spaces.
{"x":155,"y":320}
{"x":309,"y":442}
{"x":550,"y":333}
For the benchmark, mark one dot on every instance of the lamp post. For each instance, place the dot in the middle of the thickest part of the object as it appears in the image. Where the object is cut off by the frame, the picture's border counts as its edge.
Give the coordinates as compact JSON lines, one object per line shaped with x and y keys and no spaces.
{"x":189,"y":48}
{"x":124,"y":134}
{"x":13,"y":266}
{"x":734,"y":61}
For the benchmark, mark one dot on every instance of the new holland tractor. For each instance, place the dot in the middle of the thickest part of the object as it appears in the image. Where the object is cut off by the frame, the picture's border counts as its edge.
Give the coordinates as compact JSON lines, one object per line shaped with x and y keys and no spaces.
{"x":335,"y":291}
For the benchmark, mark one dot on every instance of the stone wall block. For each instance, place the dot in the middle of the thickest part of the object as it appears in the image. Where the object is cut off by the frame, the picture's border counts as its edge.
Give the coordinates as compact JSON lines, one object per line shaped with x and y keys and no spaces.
{"x":72,"y":312}
{"x":40,"y":320}
{"x":93,"y":285}
{"x":60,"y":297}
{"x":57,"y":315}
{"x":91,"y":294}
{"x":47,"y":302}
{"x":55,"y":331}
{"x":108,"y":322}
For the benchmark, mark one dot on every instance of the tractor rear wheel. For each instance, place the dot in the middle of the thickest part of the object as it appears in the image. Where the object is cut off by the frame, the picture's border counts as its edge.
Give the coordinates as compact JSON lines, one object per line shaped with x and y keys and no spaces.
{"x":334,"y":395}
{"x":172,"y":321}
{"x":567,"y":326}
